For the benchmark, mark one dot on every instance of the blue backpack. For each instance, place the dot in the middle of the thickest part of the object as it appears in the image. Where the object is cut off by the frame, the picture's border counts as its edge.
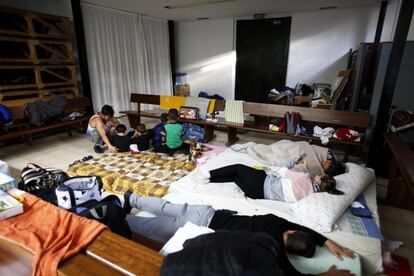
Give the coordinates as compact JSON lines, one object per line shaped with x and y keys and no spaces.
{"x":5,"y":116}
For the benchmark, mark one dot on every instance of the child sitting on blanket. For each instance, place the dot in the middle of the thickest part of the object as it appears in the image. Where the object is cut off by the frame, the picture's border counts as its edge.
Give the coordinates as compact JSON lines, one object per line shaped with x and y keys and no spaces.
{"x":121,"y":140}
{"x":281,"y":184}
{"x":158,"y":141}
{"x":174,"y":132}
{"x":141,"y":136}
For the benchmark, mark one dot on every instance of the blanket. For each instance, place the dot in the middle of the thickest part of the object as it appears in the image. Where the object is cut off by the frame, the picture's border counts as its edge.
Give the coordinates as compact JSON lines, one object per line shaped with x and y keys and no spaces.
{"x":50,"y":233}
{"x":146,"y":173}
{"x":279,"y":153}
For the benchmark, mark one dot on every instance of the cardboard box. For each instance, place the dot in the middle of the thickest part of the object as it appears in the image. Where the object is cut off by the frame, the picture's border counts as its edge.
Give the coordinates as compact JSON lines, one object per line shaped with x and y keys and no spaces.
{"x":182,"y":90}
{"x":7,"y":182}
{"x":9,"y":206}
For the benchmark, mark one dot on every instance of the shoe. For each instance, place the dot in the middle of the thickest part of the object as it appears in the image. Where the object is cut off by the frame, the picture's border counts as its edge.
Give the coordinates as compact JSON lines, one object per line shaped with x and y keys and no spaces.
{"x":98,"y":149}
{"x":202,"y":175}
{"x":134,"y":148}
{"x":127,"y":204}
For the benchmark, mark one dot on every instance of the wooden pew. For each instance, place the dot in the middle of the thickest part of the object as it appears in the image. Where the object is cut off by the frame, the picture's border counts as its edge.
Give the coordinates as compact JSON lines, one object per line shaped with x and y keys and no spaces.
{"x":108,"y":254}
{"x":22,"y":128}
{"x":134,"y":116}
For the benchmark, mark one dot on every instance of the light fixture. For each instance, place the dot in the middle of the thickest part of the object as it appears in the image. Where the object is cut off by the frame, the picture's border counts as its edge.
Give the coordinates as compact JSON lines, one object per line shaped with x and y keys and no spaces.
{"x":196,"y":4}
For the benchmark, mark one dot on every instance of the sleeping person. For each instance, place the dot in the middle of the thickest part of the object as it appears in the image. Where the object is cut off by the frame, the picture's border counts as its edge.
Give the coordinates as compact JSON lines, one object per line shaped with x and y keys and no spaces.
{"x":293,"y":238}
{"x":281,"y":184}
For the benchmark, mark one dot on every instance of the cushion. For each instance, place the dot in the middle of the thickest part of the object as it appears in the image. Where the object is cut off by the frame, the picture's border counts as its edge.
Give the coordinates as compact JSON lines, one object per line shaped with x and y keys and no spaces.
{"x":200,"y":103}
{"x":320,"y":211}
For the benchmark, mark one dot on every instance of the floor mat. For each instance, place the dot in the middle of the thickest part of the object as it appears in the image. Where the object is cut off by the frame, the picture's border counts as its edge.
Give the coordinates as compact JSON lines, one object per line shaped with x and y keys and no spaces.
{"x":404,"y":267}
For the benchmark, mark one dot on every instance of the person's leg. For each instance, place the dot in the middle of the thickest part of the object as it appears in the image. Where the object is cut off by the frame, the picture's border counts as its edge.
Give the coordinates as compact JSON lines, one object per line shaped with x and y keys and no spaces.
{"x":93,"y":136}
{"x":249,"y":180}
{"x":156,"y":228}
{"x":185,"y":148}
{"x":197,"y":214}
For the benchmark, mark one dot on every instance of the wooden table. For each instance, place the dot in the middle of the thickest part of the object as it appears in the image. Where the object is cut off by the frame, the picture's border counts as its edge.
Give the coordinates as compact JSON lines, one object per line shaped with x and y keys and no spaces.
{"x":400,"y":191}
{"x":108,"y":254}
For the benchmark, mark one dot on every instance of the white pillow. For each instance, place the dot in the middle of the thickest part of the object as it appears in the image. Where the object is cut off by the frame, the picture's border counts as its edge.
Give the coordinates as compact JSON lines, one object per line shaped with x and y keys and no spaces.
{"x":320,"y":211}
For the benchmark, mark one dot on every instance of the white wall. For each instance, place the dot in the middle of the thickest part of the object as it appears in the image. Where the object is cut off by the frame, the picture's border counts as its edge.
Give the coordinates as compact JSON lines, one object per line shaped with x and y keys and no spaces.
{"x":319,"y":44}
{"x":204,"y":50}
{"x":320,"y":41}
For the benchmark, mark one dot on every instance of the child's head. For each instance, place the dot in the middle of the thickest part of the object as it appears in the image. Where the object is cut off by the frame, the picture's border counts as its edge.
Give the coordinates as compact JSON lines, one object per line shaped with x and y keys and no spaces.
{"x":141,"y":128}
{"x":328,"y":184}
{"x":299,"y":243}
{"x":172,"y":114}
{"x":333,"y":168}
{"x":120,"y":129}
{"x":164,"y":117}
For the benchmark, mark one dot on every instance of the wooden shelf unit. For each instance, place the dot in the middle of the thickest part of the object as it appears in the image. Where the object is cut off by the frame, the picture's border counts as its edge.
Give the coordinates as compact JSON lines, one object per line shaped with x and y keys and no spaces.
{"x":34,"y":51}
{"x":18,"y":22}
{"x":36,"y":57}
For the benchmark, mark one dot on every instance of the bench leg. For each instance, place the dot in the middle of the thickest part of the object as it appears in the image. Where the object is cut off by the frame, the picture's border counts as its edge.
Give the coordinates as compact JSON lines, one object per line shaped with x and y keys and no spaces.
{"x":231,"y":136}
{"x":134,"y":120}
{"x":69,"y":131}
{"x":28,"y":139}
{"x":209,"y":133}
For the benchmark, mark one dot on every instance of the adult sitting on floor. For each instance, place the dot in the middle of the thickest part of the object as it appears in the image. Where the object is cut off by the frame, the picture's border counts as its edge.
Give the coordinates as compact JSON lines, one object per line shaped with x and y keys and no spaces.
{"x":233,"y":253}
{"x":296,"y":239}
{"x":100,"y":126}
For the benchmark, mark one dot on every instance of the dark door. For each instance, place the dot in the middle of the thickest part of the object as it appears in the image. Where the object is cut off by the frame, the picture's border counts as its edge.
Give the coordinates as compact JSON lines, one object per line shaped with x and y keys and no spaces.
{"x":262,"y":48}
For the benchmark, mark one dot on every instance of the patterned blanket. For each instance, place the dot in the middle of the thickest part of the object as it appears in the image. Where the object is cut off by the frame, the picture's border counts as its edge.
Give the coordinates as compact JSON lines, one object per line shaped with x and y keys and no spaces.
{"x":146,"y":173}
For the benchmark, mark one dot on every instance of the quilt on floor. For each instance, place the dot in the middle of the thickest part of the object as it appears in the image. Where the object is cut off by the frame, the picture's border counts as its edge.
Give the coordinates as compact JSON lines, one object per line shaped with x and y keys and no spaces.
{"x":146,"y":173}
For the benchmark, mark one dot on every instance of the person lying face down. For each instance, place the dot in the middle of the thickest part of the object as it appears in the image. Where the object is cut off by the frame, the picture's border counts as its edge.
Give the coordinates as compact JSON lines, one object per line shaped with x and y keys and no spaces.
{"x":233,"y":253}
{"x":281,"y":184}
{"x":294,"y":238}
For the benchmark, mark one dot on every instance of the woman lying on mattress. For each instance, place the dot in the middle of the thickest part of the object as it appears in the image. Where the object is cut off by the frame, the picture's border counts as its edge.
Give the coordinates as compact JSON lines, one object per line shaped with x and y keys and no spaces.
{"x":281,"y":184}
{"x":294,"y":238}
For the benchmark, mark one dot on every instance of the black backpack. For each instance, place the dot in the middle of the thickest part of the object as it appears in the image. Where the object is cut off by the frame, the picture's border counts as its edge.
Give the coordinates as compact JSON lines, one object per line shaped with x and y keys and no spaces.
{"x":108,"y":211}
{"x":41,"y":182}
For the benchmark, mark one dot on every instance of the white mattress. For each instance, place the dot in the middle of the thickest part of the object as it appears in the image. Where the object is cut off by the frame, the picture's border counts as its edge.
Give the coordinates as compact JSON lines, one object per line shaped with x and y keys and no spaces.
{"x":229,"y":196}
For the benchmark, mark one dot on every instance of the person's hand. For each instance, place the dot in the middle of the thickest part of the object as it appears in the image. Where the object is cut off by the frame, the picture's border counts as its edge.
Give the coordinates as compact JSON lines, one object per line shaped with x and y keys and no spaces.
{"x":338,"y":250}
{"x":333,"y":271}
{"x":113,"y":149}
{"x":303,"y":163}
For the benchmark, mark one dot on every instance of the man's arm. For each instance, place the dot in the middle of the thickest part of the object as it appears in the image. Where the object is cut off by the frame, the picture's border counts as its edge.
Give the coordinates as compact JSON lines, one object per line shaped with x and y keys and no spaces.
{"x":100,"y":127}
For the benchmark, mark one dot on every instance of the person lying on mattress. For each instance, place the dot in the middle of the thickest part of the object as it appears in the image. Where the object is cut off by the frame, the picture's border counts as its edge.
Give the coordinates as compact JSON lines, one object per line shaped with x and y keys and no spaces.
{"x":281,"y":184}
{"x":296,"y":239}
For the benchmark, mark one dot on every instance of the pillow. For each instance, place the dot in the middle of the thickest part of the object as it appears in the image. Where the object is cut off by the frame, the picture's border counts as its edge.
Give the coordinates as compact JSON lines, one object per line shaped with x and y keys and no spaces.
{"x":200,"y":103}
{"x":320,"y":211}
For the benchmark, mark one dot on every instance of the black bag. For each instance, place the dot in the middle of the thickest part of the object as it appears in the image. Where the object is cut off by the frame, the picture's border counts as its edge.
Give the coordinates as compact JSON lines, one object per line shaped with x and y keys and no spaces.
{"x":40,"y":112}
{"x":41,"y":182}
{"x":108,"y":211}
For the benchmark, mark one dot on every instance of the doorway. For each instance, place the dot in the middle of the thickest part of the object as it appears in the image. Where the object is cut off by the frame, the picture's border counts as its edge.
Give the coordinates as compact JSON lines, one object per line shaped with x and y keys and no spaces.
{"x":262,"y":49}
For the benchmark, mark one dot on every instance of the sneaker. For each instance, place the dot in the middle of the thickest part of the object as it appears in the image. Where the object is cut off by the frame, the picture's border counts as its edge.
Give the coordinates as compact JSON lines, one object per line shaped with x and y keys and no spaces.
{"x":202,"y":175}
{"x":134,"y":148}
{"x":98,"y":149}
{"x":127,"y":204}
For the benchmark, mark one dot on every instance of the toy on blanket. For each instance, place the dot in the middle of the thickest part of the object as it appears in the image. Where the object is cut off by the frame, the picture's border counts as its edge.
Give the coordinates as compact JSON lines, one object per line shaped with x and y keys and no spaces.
{"x":196,"y":150}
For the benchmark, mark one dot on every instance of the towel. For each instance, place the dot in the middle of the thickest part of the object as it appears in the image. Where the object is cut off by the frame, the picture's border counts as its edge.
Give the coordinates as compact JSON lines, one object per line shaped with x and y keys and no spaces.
{"x":167,"y":102}
{"x":234,"y":112}
{"x":50,"y":233}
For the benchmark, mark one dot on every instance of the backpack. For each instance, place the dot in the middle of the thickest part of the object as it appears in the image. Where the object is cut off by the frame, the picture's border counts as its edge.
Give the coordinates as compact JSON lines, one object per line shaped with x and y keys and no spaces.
{"x":41,"y":182}
{"x":108,"y":211}
{"x":5,"y":116}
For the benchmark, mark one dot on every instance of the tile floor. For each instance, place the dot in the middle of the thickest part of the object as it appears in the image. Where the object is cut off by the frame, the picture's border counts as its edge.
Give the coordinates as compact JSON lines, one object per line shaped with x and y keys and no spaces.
{"x":59,"y":150}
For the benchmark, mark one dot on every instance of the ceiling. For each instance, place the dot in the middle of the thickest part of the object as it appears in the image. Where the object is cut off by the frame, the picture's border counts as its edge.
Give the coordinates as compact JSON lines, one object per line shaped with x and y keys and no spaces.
{"x":237,"y":8}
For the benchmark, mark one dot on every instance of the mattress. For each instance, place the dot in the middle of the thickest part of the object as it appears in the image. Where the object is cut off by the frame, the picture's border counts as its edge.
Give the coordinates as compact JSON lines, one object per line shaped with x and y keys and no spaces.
{"x":229,"y":196}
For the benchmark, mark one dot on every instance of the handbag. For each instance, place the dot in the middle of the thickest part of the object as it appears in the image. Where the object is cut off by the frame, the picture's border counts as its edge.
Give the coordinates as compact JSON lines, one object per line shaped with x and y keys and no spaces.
{"x":40,"y":181}
{"x":108,"y":211}
{"x":74,"y":191}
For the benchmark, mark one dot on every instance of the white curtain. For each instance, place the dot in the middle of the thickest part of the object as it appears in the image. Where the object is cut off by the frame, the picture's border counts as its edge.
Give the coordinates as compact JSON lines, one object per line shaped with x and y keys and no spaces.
{"x":127,"y":53}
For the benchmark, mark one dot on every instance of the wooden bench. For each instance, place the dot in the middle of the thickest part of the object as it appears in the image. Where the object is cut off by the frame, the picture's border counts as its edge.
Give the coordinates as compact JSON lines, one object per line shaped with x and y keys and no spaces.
{"x":322,"y":117}
{"x":134,"y":117}
{"x":22,"y":128}
{"x":108,"y":254}
{"x":263,"y":112}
